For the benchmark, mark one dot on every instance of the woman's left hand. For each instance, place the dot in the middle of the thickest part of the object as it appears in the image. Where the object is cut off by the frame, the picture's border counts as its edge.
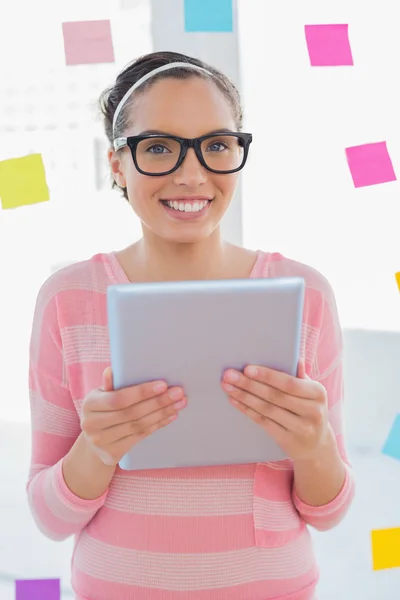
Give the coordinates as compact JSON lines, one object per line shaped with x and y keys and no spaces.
{"x":292,"y":410}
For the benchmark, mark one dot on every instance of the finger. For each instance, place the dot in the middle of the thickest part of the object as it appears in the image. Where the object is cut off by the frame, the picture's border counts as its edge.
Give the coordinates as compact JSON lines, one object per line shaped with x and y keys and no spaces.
{"x":301,"y":370}
{"x":275,"y":429}
{"x":102,"y":401}
{"x":293,"y":386}
{"x":137,"y":428}
{"x":252,"y":404}
{"x":298,"y":406}
{"x":107,"y":380}
{"x":105,"y":419}
{"x":122,"y":446}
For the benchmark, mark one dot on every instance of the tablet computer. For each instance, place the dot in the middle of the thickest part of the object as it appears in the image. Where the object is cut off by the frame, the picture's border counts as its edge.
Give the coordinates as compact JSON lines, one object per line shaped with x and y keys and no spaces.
{"x":188,"y":333}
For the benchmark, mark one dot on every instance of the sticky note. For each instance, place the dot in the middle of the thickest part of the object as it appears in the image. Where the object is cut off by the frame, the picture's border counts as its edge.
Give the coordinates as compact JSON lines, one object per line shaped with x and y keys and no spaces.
{"x":23,"y":181}
{"x":397,"y":275}
{"x":370,"y":164}
{"x":386,"y":549}
{"x":329,"y":45}
{"x":37,"y":589}
{"x":208,"y":15}
{"x":88,"y":42}
{"x":392,"y":445}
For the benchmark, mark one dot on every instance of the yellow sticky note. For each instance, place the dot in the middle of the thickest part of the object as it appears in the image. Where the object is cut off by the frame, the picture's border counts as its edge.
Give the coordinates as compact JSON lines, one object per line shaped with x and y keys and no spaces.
{"x":23,"y":181}
{"x":386,"y":549}
{"x":397,"y":275}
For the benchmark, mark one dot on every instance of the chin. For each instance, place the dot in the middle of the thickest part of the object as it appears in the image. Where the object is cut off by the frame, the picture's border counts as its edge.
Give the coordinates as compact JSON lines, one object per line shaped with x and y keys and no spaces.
{"x":187,"y":237}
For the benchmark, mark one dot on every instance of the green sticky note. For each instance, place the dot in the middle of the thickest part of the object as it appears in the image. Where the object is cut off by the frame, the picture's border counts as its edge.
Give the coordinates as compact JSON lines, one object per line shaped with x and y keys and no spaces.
{"x":23,"y":181}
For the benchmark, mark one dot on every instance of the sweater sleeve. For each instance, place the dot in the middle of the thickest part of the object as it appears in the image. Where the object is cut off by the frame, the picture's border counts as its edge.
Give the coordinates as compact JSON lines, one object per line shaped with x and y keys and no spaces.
{"x":55,"y":426}
{"x":328,"y":370}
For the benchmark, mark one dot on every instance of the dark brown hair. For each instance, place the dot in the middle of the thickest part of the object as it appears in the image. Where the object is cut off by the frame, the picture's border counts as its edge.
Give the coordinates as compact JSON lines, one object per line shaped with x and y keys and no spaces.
{"x":111,"y":97}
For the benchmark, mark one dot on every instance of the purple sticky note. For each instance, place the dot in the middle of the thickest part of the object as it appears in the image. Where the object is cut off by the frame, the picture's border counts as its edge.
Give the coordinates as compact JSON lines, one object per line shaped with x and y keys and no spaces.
{"x":329,"y":45}
{"x":37,"y":589}
{"x":88,"y":42}
{"x":370,"y":164}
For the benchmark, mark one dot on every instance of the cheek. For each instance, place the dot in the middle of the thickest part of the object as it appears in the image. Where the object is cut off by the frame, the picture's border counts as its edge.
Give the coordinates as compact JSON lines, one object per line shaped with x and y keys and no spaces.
{"x":226,"y":184}
{"x":143,"y":191}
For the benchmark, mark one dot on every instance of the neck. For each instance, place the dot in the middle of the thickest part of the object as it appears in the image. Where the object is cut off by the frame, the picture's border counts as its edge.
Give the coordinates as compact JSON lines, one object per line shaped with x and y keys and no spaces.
{"x":164,"y":261}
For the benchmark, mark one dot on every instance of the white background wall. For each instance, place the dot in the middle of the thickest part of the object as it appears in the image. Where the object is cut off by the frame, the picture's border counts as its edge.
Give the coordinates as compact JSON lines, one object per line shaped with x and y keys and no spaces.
{"x":49,"y":108}
{"x":297,"y":197}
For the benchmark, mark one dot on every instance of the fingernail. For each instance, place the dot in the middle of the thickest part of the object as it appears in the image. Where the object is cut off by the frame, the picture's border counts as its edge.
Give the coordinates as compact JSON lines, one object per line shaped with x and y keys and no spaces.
{"x":228,"y":387}
{"x":231,"y":376}
{"x":180,"y":404}
{"x":175,"y":394}
{"x":159,"y":387}
{"x":252,"y":370}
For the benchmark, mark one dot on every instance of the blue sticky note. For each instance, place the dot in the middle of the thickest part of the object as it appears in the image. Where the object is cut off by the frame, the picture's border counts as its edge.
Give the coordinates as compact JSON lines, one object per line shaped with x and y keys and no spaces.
{"x":392,"y":446}
{"x":37,"y":589}
{"x":208,"y":15}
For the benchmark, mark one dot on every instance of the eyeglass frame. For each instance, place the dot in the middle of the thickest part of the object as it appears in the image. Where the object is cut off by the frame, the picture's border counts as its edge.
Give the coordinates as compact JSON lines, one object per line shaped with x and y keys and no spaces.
{"x":133,"y":141}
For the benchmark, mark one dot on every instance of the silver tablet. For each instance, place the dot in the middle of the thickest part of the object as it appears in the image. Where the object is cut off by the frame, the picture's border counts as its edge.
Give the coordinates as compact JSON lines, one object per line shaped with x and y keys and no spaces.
{"x":188,"y":333}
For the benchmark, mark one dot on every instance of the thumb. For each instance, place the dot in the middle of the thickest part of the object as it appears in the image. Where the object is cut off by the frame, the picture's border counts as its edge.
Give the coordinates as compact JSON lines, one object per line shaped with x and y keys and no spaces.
{"x":107,"y":385}
{"x":301,"y":370}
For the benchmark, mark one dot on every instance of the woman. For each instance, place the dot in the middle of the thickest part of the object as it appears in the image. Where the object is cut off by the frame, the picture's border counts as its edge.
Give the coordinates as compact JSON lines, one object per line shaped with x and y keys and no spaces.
{"x":232,"y":532}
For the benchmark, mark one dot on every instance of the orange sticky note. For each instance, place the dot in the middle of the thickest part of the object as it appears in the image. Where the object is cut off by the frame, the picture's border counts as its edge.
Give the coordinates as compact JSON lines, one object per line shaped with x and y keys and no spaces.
{"x":23,"y":181}
{"x":386,"y":548}
{"x":397,"y":275}
{"x":88,"y":42}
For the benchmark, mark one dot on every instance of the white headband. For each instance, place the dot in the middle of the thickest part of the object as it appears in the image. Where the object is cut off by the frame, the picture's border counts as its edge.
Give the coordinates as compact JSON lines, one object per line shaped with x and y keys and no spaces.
{"x":148,"y":76}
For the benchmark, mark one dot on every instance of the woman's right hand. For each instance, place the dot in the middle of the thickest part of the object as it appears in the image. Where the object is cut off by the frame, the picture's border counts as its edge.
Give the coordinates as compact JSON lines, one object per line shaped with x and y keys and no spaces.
{"x":115,"y":420}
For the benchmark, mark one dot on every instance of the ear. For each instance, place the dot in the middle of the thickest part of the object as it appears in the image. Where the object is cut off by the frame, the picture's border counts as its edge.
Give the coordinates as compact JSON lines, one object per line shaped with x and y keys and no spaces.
{"x":117,"y":170}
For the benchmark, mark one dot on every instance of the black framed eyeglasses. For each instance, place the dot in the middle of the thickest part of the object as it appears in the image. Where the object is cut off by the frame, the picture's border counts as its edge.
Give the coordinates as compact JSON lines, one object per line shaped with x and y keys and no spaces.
{"x":157,"y":154}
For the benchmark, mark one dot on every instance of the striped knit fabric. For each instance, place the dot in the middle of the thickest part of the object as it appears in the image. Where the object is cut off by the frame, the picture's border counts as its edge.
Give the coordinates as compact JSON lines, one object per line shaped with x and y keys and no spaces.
{"x":215,"y":533}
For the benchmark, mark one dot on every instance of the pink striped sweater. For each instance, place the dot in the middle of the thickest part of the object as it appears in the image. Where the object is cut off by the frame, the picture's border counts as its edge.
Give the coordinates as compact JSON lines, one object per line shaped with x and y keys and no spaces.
{"x":215,"y":533}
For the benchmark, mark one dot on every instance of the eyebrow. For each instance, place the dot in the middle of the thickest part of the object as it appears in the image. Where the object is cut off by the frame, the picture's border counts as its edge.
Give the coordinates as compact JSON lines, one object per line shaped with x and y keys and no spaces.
{"x":159,"y":132}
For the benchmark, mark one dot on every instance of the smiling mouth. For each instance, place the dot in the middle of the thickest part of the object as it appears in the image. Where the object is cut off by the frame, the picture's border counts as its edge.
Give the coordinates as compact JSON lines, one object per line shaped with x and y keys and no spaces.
{"x":189,"y":207}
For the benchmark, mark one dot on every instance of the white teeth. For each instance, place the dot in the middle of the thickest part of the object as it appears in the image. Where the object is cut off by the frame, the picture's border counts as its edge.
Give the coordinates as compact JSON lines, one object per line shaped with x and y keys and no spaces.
{"x":187,"y":206}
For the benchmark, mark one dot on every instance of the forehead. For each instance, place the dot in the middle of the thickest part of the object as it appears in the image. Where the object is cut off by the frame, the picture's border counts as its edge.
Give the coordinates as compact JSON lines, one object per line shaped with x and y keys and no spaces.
{"x":187,"y":107}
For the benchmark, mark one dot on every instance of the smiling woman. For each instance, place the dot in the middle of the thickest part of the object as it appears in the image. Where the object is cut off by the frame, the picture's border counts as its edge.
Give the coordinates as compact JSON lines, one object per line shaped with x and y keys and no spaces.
{"x":166,"y":151}
{"x":237,"y":531}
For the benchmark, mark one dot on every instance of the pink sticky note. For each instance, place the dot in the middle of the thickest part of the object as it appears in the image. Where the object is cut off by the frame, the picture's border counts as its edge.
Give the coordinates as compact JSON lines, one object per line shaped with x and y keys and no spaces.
{"x":370,"y":164}
{"x":329,"y":45}
{"x":88,"y":42}
{"x":37,"y":589}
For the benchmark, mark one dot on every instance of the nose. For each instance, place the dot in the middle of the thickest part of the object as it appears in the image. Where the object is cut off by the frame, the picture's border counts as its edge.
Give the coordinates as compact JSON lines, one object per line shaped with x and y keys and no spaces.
{"x":191,"y":172}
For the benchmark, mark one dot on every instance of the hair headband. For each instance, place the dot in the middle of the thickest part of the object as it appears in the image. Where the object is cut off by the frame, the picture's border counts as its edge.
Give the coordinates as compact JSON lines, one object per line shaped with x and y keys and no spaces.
{"x":148,"y":76}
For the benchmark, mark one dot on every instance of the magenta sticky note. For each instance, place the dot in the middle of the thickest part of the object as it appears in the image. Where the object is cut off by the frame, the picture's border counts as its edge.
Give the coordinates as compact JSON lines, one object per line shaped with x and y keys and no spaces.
{"x":88,"y":42}
{"x":329,"y":45}
{"x":370,"y":164}
{"x":37,"y":589}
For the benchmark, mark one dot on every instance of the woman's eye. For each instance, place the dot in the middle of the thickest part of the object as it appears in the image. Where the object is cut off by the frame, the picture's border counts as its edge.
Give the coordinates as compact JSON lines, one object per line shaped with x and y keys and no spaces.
{"x":157,"y":149}
{"x":217,"y":147}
